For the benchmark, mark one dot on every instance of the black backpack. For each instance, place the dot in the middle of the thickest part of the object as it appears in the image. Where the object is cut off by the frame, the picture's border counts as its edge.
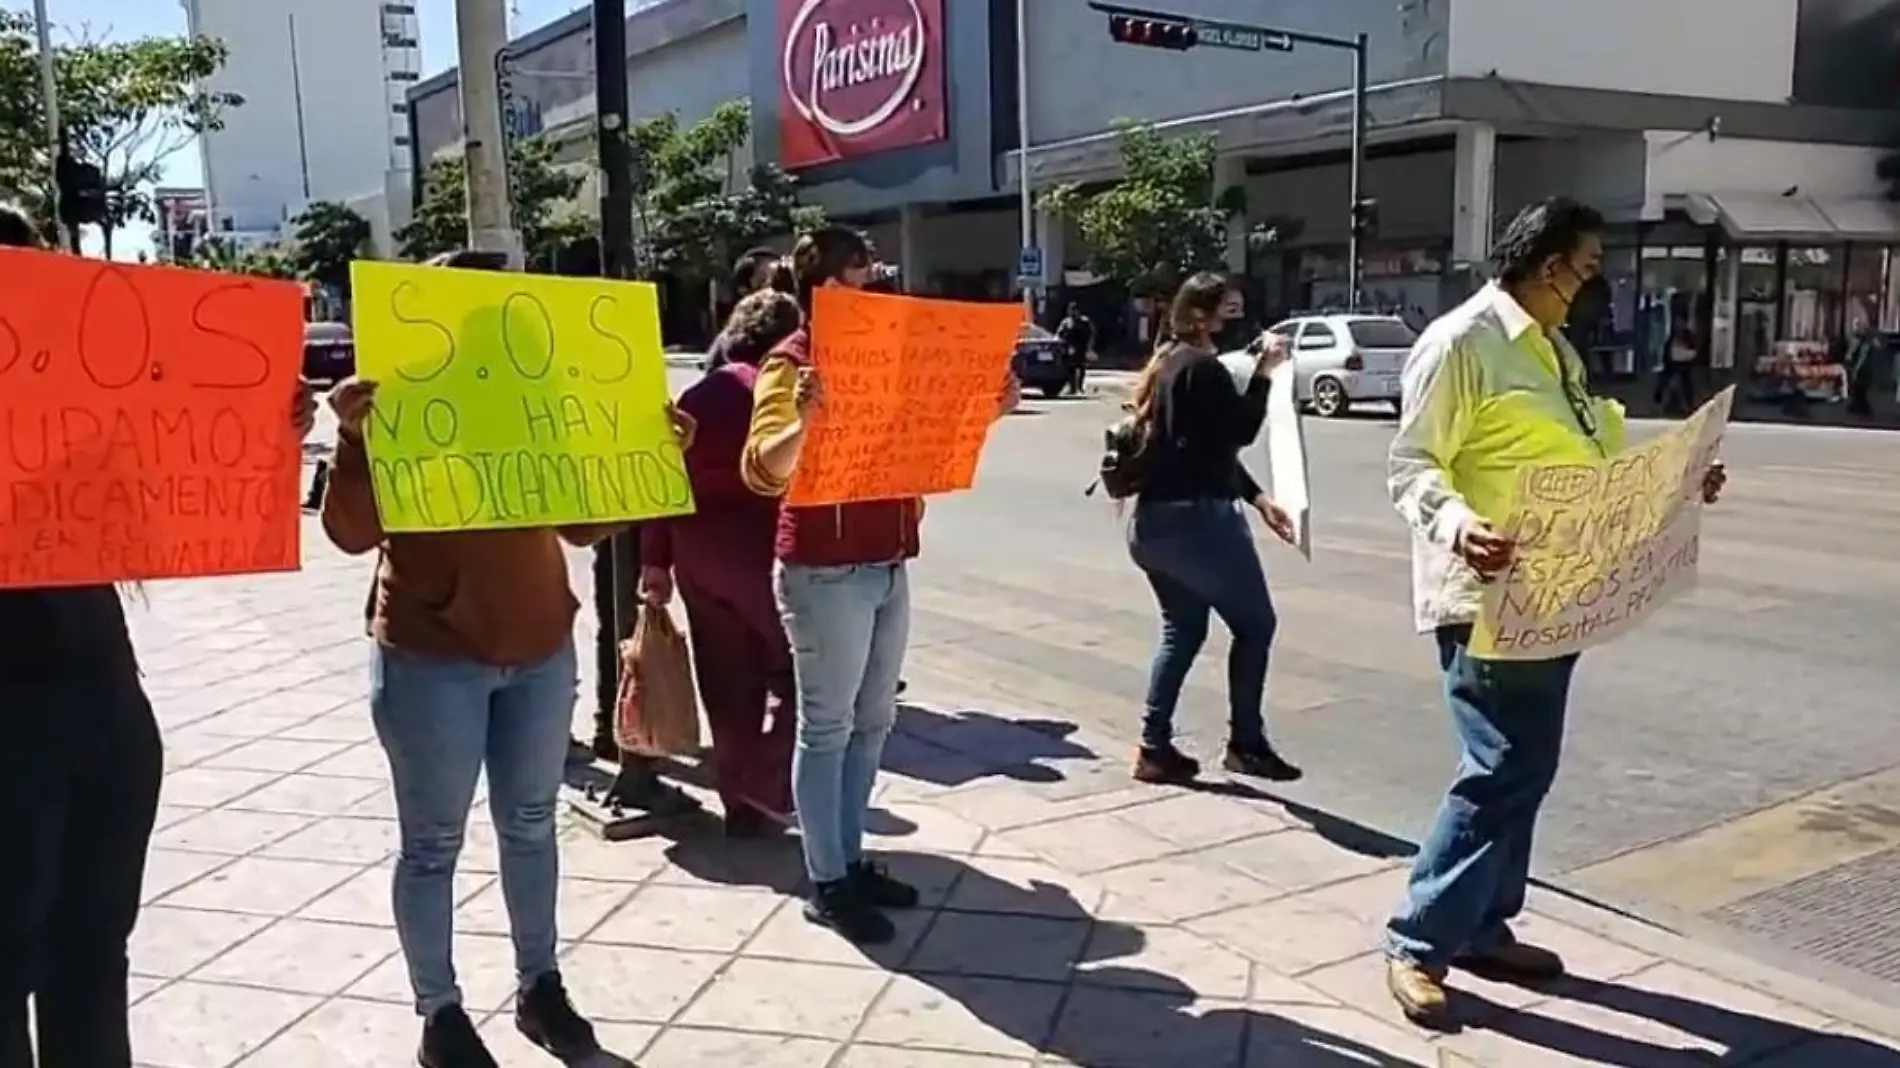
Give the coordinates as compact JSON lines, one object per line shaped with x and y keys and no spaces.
{"x":1127,"y":449}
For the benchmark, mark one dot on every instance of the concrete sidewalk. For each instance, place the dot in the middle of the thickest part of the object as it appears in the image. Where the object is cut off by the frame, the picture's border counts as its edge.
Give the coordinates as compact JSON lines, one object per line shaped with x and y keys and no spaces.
{"x":1072,"y":918}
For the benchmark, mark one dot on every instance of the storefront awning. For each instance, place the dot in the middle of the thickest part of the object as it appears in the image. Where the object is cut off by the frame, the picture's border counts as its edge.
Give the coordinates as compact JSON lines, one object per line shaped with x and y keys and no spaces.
{"x":1869,"y":219}
{"x":1794,"y":217}
{"x":1764,"y":216}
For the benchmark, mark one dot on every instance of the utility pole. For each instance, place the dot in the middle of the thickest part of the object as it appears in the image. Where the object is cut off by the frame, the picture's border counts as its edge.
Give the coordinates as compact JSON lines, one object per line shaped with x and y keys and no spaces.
{"x":1028,"y":204}
{"x":481,"y":29}
{"x":1149,"y":28}
{"x":637,"y":796}
{"x":55,"y":140}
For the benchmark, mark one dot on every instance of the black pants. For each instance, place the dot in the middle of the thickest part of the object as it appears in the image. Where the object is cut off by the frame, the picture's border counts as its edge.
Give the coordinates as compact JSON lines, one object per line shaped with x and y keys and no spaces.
{"x":80,"y":767}
{"x":1675,"y":388}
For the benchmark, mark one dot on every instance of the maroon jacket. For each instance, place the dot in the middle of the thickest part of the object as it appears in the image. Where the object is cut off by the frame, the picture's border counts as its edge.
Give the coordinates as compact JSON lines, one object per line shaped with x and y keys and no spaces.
{"x":724,"y":549}
{"x":830,"y":535}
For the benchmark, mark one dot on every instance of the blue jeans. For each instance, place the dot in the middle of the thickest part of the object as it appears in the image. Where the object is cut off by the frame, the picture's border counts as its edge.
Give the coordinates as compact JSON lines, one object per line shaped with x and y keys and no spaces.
{"x":1469,"y":879}
{"x":848,"y":627}
{"x":1199,"y":556}
{"x":441,"y":722}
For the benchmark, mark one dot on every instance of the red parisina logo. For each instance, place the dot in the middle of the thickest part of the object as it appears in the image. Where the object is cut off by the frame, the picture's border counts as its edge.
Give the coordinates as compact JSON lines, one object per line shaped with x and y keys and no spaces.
{"x":859,"y":76}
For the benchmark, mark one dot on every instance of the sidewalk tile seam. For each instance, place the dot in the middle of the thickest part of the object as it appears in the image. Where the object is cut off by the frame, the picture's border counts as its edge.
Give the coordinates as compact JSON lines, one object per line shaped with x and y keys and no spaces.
{"x":1675,"y":956}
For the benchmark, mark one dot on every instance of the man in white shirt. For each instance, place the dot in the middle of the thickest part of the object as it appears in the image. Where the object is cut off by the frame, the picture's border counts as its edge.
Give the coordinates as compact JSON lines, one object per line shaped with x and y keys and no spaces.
{"x":1490,"y":388}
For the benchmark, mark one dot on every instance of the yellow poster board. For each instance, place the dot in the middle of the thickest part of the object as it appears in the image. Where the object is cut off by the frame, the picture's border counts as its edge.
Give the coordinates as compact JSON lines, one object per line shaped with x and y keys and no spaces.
{"x":1600,"y":547}
{"x":509,"y":400}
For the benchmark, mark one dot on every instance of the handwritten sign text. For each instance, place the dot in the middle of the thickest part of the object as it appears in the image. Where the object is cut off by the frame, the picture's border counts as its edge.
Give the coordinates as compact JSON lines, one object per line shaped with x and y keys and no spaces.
{"x":1602,"y":546}
{"x":910,"y":388}
{"x":145,"y":431}
{"x":508,"y":400}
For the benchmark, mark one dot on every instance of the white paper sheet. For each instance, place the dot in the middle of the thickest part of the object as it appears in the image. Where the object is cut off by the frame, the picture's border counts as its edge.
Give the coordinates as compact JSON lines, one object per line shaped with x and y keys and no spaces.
{"x":1278,"y":458}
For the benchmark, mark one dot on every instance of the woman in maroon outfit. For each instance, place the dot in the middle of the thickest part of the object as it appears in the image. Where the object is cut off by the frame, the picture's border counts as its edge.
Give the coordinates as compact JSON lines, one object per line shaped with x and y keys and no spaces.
{"x":721,"y":559}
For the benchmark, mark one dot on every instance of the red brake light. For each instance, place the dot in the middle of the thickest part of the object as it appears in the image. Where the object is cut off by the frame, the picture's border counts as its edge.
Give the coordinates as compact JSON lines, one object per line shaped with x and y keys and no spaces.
{"x":1355,"y":362}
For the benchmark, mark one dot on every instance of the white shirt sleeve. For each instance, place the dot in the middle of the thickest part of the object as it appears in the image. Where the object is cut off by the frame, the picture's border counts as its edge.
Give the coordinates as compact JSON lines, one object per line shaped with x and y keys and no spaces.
{"x":1439,"y":391}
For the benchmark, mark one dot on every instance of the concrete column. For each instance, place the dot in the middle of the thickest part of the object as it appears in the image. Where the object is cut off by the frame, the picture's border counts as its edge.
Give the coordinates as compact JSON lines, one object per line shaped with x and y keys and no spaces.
{"x":910,"y":248}
{"x":1052,"y":239}
{"x":481,"y":30}
{"x":1230,"y":171}
{"x":1474,"y":177}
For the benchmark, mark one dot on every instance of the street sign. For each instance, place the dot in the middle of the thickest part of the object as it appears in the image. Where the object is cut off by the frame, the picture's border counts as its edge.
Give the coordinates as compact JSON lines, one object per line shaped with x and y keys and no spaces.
{"x":1240,"y":37}
{"x":1029,"y":265}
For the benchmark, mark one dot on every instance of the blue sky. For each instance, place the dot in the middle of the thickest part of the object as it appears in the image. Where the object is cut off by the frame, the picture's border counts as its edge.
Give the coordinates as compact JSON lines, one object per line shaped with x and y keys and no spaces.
{"x":138,"y":18}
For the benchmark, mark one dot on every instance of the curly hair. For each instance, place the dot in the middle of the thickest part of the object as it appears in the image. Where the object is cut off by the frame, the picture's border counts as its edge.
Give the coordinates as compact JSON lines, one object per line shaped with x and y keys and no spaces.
{"x":758,"y":324}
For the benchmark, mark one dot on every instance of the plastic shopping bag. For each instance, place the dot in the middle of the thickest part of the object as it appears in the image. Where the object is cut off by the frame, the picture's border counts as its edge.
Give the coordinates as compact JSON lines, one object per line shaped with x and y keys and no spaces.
{"x":655,"y":710}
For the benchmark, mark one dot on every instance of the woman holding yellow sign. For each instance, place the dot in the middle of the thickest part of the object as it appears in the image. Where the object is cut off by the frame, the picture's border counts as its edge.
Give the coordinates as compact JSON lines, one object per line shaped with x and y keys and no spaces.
{"x":474,"y":668}
{"x":844,"y":595}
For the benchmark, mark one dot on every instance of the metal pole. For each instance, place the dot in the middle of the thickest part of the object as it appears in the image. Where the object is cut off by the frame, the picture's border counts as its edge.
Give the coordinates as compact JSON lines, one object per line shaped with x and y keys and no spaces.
{"x":49,"y":91}
{"x":296,"y":96}
{"x":637,"y":793}
{"x":1028,"y":204}
{"x":1355,"y":267}
{"x":481,"y":28}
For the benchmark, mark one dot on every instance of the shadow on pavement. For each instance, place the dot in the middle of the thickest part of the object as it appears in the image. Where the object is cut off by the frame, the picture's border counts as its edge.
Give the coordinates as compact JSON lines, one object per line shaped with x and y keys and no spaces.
{"x":1032,"y":964}
{"x":947,"y":746}
{"x":1744,"y":1037}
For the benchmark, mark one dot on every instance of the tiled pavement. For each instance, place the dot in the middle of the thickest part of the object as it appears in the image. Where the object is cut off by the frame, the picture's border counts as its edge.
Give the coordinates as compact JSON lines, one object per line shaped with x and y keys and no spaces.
{"x":1072,"y":919}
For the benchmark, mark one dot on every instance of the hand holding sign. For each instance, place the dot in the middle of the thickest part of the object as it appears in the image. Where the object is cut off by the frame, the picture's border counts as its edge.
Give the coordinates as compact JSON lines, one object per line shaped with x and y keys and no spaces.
{"x":146,"y":433}
{"x":508,"y":400}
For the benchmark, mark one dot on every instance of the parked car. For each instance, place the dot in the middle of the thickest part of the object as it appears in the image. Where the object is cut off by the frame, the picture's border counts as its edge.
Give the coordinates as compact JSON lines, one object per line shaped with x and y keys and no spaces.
{"x":1041,"y":362}
{"x":329,"y":353}
{"x":1341,"y":360}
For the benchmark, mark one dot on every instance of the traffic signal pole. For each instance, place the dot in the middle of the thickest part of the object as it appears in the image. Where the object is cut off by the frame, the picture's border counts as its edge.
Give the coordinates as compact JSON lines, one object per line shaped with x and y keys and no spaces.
{"x":1172,"y":30}
{"x":55,"y":139}
{"x":481,"y":31}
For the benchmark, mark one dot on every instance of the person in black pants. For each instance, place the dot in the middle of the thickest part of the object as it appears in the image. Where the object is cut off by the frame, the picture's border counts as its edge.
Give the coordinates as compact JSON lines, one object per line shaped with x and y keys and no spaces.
{"x":80,"y":769}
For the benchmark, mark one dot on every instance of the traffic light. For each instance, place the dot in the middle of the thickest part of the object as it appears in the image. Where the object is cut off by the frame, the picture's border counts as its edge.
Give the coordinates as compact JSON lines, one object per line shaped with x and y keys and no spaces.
{"x":1365,"y":219}
{"x":1171,"y":34}
{"x":82,"y":190}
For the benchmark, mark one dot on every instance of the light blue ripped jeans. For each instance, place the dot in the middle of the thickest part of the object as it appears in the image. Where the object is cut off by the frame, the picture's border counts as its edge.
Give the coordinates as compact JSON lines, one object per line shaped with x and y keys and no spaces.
{"x":848,"y":627}
{"x":441,"y":722}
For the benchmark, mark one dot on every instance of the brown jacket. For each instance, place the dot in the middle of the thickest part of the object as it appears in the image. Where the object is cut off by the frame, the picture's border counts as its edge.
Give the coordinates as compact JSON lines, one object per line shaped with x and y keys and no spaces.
{"x":498,"y":597}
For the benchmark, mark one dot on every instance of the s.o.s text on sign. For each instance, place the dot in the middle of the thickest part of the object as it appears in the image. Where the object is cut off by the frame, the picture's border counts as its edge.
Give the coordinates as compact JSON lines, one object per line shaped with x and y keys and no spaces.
{"x":146,"y":428}
{"x":507,"y":400}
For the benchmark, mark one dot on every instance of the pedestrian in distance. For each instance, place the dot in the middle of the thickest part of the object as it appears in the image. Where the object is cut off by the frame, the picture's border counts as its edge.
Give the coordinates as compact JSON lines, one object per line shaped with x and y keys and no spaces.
{"x":719,"y":559}
{"x":1190,"y":539}
{"x":752,"y":272}
{"x":80,"y":773}
{"x":1490,"y":389}
{"x":473,"y":668}
{"x":843,"y":591}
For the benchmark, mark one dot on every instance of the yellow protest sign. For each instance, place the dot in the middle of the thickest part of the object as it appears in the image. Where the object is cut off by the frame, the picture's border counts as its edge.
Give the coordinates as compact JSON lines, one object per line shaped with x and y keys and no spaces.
{"x":511,"y":400}
{"x":1601,"y":546}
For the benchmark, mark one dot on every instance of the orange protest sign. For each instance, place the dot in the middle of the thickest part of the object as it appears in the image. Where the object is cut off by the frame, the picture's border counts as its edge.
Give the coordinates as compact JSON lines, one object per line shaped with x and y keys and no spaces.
{"x":145,"y":431}
{"x":909,"y":387}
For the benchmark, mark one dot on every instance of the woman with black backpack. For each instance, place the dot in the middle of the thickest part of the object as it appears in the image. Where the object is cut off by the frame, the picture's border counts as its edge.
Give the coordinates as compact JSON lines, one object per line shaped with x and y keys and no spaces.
{"x":1187,"y":533}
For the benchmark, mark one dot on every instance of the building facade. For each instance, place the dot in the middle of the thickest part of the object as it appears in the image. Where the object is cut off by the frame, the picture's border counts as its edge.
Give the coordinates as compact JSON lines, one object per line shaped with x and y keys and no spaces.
{"x":325,"y":85}
{"x":1734,"y":150}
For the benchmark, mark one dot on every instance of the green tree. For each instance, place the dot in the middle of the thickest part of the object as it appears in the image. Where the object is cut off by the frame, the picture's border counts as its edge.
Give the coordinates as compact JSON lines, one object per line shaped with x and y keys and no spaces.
{"x":264,"y":261}
{"x":1162,"y":220}
{"x":125,"y":106}
{"x":328,"y":236}
{"x":544,"y":193}
{"x":697,"y":212}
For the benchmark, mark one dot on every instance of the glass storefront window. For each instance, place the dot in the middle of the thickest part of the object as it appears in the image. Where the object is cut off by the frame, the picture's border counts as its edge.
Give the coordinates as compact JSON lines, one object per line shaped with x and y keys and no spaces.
{"x":1608,"y":342}
{"x":1816,"y":284}
{"x":1866,"y":278}
{"x":1675,"y":293}
{"x":1757,"y":315}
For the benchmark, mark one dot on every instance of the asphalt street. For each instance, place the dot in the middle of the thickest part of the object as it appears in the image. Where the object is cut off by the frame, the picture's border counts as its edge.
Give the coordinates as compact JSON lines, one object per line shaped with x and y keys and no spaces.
{"x":1734,"y":766}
